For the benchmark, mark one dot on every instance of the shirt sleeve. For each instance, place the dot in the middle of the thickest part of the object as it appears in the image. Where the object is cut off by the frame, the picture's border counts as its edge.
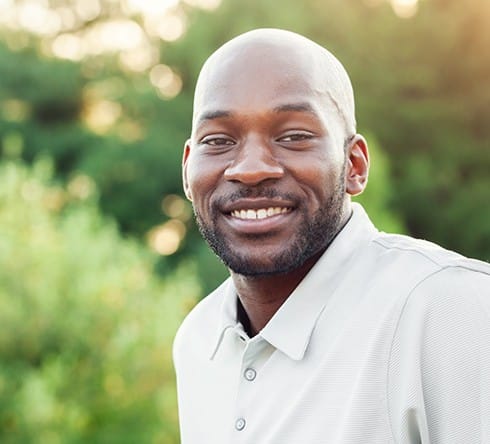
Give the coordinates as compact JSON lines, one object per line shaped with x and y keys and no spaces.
{"x":439,"y":370}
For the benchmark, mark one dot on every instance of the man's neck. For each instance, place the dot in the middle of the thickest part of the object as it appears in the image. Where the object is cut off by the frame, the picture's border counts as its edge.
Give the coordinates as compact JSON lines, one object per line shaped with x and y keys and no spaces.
{"x":261,"y":296}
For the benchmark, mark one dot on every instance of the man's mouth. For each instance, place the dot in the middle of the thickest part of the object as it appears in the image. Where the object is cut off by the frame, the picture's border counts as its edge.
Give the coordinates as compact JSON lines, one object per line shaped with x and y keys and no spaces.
{"x":259,"y":213}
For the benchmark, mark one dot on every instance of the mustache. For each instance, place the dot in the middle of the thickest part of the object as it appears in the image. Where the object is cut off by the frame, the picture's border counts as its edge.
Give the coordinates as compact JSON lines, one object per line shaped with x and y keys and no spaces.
{"x":254,"y":193}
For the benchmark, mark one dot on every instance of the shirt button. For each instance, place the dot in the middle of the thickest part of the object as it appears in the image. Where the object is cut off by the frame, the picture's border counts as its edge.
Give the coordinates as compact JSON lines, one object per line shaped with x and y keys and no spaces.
{"x":240,"y":424}
{"x":250,"y":374}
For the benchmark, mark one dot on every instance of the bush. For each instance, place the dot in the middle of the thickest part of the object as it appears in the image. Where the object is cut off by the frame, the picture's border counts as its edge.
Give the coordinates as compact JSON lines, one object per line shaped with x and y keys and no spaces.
{"x":85,"y":344}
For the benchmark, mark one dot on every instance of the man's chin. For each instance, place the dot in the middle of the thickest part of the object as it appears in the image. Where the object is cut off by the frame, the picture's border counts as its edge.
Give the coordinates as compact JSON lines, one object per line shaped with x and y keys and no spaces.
{"x":254,"y":270}
{"x":265,"y":264}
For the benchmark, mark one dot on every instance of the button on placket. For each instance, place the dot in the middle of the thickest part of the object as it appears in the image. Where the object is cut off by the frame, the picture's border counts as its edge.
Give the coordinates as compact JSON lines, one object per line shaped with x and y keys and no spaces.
{"x":254,"y":354}
{"x":240,"y":424}
{"x":250,"y":374}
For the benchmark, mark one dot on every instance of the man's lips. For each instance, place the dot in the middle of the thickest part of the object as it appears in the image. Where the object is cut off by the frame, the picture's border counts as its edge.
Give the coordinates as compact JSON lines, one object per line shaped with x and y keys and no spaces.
{"x":259,"y":215}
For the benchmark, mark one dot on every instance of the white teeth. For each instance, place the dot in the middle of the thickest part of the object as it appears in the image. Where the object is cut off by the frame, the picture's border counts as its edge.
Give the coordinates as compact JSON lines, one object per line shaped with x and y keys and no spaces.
{"x":261,"y":213}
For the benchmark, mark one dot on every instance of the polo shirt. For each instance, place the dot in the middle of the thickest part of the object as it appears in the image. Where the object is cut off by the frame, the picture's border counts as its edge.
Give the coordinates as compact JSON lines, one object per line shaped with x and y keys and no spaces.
{"x":386,"y":340}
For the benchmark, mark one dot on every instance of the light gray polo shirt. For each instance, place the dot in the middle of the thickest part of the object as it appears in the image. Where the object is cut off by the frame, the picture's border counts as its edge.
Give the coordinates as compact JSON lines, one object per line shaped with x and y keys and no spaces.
{"x":386,"y":340}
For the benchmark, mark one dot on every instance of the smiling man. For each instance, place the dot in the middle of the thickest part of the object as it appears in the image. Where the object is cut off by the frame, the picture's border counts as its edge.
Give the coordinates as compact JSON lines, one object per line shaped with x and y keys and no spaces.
{"x":327,"y":331}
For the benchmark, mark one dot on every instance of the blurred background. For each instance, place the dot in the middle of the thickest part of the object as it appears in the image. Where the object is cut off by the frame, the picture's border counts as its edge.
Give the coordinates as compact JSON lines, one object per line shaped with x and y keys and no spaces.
{"x":99,"y":256}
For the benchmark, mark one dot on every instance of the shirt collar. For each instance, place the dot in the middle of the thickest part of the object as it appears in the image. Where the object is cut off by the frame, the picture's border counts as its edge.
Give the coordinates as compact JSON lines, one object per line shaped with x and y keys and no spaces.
{"x":290,"y":329}
{"x":228,"y":317}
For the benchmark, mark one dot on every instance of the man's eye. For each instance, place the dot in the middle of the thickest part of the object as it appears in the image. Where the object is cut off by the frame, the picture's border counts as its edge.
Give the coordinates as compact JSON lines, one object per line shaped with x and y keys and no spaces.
{"x":295,"y":137}
{"x":217,"y":141}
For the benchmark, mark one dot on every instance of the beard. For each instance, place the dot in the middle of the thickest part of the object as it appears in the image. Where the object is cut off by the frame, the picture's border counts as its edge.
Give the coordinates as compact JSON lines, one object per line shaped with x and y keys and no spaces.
{"x":314,"y":235}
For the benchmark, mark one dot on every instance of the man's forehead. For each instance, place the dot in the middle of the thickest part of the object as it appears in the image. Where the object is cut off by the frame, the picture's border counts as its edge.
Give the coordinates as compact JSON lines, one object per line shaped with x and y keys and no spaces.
{"x":249,"y":89}
{"x":261,"y":79}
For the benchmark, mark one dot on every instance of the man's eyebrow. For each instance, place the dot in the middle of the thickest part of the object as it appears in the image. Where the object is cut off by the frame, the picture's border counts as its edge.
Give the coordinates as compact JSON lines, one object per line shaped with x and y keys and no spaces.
{"x":287,"y":107}
{"x":211,"y":115}
{"x":295,"y":107}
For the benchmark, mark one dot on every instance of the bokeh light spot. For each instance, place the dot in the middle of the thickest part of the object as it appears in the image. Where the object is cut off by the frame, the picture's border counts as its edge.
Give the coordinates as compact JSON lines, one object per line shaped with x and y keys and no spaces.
{"x":101,"y":115}
{"x":165,"y":239}
{"x":171,"y":28}
{"x":405,"y":8}
{"x":176,"y":207}
{"x":139,"y":59}
{"x":88,"y":9}
{"x":38,"y":18}
{"x":167,"y":82}
{"x":81,"y":186}
{"x":68,"y":46}
{"x":114,"y":35}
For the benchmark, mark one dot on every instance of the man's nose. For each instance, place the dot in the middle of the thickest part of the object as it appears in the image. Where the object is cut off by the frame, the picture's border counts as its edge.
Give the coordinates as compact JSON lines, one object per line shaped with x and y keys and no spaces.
{"x":253,"y":164}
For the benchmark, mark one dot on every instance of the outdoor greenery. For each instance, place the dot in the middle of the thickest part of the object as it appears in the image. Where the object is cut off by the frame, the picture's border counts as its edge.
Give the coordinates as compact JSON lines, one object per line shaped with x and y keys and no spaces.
{"x":86,"y":325}
{"x":99,"y":256}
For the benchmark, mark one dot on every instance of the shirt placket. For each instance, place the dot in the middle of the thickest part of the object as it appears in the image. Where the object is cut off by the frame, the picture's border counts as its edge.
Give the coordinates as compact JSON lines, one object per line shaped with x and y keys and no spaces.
{"x":256,"y":353}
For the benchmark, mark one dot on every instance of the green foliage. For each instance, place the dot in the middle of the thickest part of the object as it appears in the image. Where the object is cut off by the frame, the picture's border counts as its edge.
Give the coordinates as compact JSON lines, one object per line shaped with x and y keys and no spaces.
{"x":51,"y":98}
{"x":86,"y":334}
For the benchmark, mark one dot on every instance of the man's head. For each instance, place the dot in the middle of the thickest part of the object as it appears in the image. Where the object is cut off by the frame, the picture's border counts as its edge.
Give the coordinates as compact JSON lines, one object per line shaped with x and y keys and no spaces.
{"x":273,"y":157}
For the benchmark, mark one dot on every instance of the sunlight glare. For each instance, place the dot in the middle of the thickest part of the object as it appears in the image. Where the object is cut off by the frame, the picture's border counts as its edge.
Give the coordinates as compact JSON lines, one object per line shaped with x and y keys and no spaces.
{"x":8,"y":15}
{"x":204,"y":4}
{"x":88,"y":9}
{"x":149,"y":7}
{"x":67,"y":17}
{"x":38,"y":19}
{"x":6,"y":4}
{"x":114,"y":35}
{"x":68,"y":46}
{"x":405,"y":8}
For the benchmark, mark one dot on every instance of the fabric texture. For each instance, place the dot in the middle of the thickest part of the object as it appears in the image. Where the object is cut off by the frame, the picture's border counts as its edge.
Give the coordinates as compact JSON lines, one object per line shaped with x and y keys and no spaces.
{"x":386,"y":340}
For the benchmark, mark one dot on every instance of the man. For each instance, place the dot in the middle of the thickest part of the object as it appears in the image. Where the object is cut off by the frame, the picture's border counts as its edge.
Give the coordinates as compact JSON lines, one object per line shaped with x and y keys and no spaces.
{"x":327,"y":331}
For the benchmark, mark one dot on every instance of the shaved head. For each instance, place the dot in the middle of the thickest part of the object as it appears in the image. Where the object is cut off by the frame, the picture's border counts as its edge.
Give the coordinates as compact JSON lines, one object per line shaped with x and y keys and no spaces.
{"x":289,"y":50}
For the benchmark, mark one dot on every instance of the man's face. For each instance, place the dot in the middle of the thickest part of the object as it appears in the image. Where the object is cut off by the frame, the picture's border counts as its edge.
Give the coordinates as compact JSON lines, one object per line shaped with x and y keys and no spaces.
{"x":265,"y":167}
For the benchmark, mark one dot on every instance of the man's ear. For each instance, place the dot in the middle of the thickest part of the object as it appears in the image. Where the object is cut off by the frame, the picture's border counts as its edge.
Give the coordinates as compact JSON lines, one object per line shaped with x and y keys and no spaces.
{"x":357,"y":165}
{"x":185,"y":158}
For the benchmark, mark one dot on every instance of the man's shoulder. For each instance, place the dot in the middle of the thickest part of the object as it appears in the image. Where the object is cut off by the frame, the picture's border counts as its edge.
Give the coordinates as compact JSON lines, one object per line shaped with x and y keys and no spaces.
{"x":203,"y":320}
{"x":432,"y":256}
{"x":434,"y":279}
